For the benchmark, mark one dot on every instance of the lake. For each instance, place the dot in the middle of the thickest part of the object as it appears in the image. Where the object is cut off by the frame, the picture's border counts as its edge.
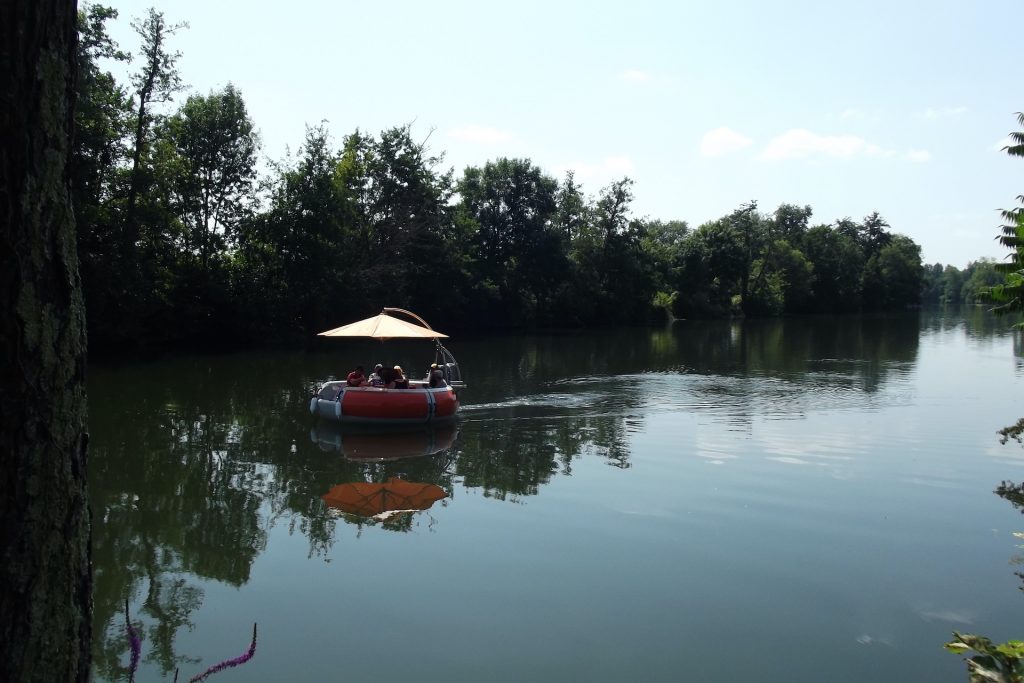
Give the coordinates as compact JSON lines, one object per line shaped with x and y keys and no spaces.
{"x":784,"y":500}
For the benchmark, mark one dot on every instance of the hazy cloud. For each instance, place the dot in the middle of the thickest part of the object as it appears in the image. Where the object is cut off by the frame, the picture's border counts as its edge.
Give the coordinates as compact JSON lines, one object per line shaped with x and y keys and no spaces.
{"x":721,"y":141}
{"x":933,"y":114}
{"x":481,"y":135}
{"x":636,"y":75}
{"x":799,"y":143}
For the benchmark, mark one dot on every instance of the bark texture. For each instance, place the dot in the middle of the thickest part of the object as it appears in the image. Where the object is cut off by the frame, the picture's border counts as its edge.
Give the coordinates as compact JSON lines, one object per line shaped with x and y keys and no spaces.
{"x":45,"y":588}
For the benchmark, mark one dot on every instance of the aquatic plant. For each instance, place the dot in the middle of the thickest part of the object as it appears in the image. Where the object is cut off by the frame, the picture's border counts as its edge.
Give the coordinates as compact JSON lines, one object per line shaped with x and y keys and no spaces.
{"x":135,"y":644}
{"x":1002,"y":663}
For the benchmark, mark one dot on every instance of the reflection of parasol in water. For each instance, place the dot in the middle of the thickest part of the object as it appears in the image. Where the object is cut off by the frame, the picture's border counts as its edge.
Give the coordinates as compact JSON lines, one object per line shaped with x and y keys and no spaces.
{"x":372,"y":500}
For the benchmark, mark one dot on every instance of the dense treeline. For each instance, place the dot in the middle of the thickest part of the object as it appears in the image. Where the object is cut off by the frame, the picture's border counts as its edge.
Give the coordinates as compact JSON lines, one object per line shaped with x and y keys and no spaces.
{"x":950,"y":285}
{"x":183,"y":240}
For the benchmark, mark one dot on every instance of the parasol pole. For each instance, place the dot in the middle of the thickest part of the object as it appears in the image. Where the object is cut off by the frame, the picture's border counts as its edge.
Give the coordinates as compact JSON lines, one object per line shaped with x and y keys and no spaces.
{"x":423,"y":322}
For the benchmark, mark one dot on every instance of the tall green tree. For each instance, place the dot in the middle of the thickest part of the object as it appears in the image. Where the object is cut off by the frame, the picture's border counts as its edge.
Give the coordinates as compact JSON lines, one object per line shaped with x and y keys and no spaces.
{"x":519,"y":252}
{"x":979,"y":276}
{"x":838,"y":262}
{"x":102,"y":128}
{"x":625,"y":275}
{"x":1008,"y":296}
{"x":791,"y":223}
{"x":892,"y":278}
{"x":296,"y":256}
{"x":215,"y":143}
{"x":156,"y":81}
{"x":45,"y":576}
{"x":398,"y":210}
{"x":102,"y":112}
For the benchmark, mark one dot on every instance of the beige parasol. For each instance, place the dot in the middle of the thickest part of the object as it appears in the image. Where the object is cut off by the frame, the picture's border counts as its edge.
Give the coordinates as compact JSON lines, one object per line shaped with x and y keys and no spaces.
{"x":384,"y":326}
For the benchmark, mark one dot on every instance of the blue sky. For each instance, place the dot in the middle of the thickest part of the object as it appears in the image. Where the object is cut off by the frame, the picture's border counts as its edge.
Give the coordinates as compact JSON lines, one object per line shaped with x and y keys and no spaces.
{"x":896,"y":107}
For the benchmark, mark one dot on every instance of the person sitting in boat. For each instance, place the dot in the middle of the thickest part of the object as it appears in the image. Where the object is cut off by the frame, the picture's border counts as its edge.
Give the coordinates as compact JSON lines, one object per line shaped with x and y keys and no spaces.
{"x":400,"y":381}
{"x":356,"y":378}
{"x":436,"y":376}
{"x":377,"y":378}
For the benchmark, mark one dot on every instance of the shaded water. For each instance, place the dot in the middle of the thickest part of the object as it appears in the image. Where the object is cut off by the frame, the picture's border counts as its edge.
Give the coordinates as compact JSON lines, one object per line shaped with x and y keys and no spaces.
{"x":796,"y":500}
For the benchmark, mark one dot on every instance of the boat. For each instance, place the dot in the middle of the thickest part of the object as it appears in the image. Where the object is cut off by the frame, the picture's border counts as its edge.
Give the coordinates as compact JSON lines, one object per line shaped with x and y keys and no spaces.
{"x":420,"y":403}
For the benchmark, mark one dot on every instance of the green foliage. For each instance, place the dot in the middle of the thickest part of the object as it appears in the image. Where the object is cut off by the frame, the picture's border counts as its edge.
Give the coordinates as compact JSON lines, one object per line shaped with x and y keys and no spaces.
{"x":1008,"y":296}
{"x":1003,"y":663}
{"x":182,"y":241}
{"x":212,"y":145}
{"x":517,"y":248}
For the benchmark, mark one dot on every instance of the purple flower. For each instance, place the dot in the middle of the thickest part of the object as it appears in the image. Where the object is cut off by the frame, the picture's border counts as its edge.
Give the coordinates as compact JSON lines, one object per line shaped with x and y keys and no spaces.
{"x":227,"y":664}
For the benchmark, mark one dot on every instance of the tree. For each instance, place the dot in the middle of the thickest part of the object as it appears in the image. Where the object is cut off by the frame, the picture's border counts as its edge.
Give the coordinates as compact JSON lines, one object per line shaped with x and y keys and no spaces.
{"x":297,"y":255}
{"x":791,"y":222}
{"x":838,"y":260}
{"x":712,"y":261}
{"x":892,"y":278}
{"x":1008,"y":296}
{"x":101,"y":114}
{"x":748,"y":226}
{"x":214,"y":139}
{"x":572,"y":214}
{"x":398,"y":211}
{"x":155,"y":82}
{"x":979,"y":276}
{"x":102,"y":127}
{"x":45,"y":592}
{"x":520,"y":254}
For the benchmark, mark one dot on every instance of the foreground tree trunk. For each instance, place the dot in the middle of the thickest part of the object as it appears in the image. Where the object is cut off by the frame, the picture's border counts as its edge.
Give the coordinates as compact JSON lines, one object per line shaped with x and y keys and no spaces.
{"x":45,"y":600}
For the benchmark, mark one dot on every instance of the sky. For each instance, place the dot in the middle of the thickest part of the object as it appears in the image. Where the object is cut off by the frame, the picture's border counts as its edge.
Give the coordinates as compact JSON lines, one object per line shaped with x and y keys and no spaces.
{"x":898,"y":107}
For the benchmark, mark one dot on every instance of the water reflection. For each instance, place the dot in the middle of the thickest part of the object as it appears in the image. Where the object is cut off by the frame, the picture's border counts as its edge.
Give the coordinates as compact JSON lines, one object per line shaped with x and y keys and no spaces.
{"x":383,"y":501}
{"x":1014,"y":494}
{"x":194,"y":461}
{"x":378,"y":443}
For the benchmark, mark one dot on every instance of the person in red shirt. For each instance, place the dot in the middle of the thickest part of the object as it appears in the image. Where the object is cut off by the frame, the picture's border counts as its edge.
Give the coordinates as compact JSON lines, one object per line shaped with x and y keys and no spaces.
{"x":356,"y":378}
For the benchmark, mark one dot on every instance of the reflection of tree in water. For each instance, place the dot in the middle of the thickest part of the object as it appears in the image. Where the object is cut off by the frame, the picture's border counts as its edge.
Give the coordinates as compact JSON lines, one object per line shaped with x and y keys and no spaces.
{"x":976,"y":321}
{"x":171,"y":500}
{"x":194,"y":461}
{"x":512,"y":458}
{"x":1014,"y":493}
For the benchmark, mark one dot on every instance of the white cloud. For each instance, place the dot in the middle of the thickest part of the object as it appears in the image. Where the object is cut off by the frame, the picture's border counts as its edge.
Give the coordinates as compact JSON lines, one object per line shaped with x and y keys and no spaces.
{"x":721,"y":141}
{"x":799,"y":143}
{"x":877,"y":152}
{"x":933,"y":114}
{"x":481,"y":135}
{"x":609,"y":167}
{"x":636,"y":75}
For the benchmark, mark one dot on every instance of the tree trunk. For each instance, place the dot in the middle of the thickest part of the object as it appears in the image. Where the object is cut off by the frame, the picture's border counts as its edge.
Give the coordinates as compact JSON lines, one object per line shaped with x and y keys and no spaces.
{"x":45,"y":583}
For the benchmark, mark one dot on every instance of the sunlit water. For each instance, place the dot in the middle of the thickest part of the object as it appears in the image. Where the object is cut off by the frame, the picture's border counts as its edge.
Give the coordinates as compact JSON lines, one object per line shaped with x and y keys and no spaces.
{"x":801,"y":500}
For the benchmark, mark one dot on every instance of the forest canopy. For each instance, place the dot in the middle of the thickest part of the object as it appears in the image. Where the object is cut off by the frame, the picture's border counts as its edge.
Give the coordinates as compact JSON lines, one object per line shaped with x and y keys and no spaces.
{"x":184,"y":239}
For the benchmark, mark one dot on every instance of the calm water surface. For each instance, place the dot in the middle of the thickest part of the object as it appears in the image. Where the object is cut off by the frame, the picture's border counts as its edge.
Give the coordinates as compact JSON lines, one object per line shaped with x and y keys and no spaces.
{"x":799,"y":500}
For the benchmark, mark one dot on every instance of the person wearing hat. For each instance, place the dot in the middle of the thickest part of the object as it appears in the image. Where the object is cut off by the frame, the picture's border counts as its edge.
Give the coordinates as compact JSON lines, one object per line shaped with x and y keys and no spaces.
{"x":377,"y":378}
{"x":400,"y":381}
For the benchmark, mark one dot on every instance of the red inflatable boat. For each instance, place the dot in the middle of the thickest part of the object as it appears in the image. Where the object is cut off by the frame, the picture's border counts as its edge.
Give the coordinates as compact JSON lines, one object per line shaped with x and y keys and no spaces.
{"x":417,"y":404}
{"x":420,"y":403}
